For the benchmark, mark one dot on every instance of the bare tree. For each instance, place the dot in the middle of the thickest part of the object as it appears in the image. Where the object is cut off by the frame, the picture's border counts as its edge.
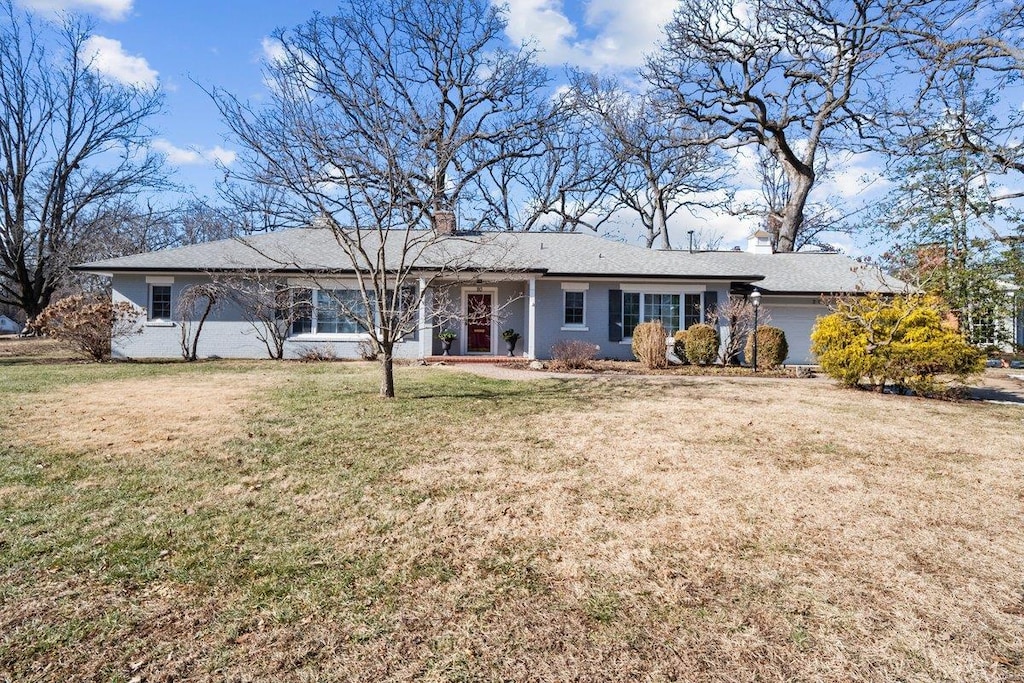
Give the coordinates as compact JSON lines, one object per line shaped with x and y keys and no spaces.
{"x":970,"y":53}
{"x":194,"y":307}
{"x":737,"y":314}
{"x":820,"y":217}
{"x":380,"y":123}
{"x":269,"y":304}
{"x":794,"y":77}
{"x":564,"y":186}
{"x":657,"y":165}
{"x":72,"y":144}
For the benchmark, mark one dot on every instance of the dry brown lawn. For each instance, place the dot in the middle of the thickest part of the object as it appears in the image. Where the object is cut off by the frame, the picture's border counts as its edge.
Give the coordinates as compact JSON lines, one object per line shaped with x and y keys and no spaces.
{"x":276,"y":522}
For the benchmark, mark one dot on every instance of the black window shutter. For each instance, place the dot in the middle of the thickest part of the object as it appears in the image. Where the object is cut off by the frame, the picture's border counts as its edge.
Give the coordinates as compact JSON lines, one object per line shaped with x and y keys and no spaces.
{"x":711,"y":308}
{"x":614,"y":315}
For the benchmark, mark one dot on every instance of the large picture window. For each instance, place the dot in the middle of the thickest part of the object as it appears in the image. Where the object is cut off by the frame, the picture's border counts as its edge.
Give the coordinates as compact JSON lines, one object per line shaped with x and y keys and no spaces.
{"x":340,"y":311}
{"x":670,"y":309}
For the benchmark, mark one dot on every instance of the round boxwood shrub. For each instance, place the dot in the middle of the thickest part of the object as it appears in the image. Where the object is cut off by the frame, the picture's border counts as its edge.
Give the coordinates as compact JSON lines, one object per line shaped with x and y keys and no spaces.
{"x":649,"y":345}
{"x":679,"y":346}
{"x":772,"y":347}
{"x":702,"y":343}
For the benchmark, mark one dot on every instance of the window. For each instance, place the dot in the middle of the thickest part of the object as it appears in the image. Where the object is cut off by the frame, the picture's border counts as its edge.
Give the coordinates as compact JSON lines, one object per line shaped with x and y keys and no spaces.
{"x":574,"y":306}
{"x":159,"y":302}
{"x":640,"y":307}
{"x":342,"y":311}
{"x":630,"y":313}
{"x":692,"y":312}
{"x":663,"y":307}
{"x":303,"y":323}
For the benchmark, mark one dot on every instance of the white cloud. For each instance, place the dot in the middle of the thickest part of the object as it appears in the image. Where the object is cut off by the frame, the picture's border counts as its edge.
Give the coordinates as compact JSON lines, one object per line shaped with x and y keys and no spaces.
{"x":193,"y":156}
{"x":273,"y":50}
{"x":109,"y":59}
{"x":113,"y":10}
{"x":856,"y":176}
{"x":613,"y":34}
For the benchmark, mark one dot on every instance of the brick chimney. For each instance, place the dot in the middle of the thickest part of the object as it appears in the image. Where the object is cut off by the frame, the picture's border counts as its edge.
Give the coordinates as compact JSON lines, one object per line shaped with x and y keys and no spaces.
{"x":444,"y":222}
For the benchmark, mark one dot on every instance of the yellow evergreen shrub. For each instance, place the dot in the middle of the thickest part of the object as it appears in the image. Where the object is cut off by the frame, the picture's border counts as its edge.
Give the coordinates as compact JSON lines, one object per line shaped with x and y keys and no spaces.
{"x":901,"y":342}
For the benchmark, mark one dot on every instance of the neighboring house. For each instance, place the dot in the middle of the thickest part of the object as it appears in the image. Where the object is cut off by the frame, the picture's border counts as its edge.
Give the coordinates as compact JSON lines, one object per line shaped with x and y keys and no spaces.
{"x":9,"y":325}
{"x":548,"y":286}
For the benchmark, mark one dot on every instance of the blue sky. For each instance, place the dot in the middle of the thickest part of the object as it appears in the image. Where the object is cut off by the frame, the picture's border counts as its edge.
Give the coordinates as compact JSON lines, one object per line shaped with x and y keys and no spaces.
{"x":185,"y":44}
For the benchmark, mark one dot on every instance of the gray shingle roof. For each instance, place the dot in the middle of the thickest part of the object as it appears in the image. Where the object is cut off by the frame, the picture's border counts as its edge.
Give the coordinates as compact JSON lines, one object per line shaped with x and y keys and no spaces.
{"x":552,"y":254}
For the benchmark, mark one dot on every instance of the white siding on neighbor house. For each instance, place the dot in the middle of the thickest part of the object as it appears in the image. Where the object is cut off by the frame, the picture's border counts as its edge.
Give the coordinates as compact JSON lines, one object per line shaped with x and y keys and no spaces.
{"x":796,"y":317}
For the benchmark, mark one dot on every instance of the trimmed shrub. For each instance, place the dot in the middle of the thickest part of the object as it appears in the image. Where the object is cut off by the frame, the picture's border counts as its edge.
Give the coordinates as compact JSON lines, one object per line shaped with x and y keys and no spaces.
{"x":772,"y":347}
{"x":679,"y":346}
{"x":901,"y":342}
{"x":649,"y":345}
{"x":572,"y":354}
{"x":702,"y":343}
{"x":89,"y":323}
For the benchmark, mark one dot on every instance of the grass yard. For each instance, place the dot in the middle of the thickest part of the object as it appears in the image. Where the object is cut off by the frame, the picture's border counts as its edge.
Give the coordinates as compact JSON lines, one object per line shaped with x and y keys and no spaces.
{"x":253,"y":521}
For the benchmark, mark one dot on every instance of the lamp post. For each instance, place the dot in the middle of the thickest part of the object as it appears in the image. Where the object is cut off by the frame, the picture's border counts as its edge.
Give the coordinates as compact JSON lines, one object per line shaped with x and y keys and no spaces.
{"x":755,"y":301}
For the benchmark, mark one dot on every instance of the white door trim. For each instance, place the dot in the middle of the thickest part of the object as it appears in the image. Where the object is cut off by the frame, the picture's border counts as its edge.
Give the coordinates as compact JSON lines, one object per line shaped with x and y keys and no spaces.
{"x":466,"y":291}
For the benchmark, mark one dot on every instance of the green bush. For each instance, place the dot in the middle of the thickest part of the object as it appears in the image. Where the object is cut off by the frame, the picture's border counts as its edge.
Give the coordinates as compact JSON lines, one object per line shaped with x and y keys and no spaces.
{"x":901,"y":342}
{"x":772,"y":347}
{"x":679,"y":346}
{"x":702,"y":343}
{"x":649,"y":345}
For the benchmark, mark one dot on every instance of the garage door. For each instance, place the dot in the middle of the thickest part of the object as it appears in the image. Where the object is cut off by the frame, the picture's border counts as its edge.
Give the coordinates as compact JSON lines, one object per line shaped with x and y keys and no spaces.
{"x":797,"y":321}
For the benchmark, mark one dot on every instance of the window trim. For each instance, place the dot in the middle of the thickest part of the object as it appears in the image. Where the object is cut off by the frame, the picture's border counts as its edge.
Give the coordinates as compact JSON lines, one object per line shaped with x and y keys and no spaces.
{"x":644,"y":290}
{"x":313,"y":334}
{"x":151,"y":316}
{"x":575,"y":288}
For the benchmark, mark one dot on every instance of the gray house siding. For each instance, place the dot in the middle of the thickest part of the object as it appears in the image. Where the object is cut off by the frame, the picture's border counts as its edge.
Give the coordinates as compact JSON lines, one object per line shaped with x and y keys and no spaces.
{"x":226,"y":333}
{"x":550,"y":329}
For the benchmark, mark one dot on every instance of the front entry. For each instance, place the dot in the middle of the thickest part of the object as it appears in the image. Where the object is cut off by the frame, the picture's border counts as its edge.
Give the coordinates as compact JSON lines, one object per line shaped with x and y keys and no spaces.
{"x":478,"y":322}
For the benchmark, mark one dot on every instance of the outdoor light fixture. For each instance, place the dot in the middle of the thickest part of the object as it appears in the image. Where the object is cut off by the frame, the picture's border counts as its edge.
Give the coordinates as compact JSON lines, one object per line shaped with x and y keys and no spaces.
{"x":755,"y":301}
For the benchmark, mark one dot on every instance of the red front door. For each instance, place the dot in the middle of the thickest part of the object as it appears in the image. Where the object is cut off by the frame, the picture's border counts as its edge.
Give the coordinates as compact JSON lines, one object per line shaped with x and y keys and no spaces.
{"x":478,"y":323}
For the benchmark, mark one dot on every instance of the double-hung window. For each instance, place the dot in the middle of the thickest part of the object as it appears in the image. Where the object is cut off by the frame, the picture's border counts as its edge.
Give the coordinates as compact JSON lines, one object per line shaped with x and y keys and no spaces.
{"x":692,"y":310}
{"x":574,"y":305}
{"x":159,"y":302}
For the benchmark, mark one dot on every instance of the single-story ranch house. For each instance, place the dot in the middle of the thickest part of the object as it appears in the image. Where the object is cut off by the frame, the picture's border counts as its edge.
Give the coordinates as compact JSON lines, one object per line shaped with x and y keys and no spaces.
{"x":548,"y":286}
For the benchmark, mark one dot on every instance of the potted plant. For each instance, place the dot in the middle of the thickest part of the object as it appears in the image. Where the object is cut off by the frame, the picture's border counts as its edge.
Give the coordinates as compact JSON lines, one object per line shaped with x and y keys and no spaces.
{"x":511,"y":338}
{"x":446,"y":337}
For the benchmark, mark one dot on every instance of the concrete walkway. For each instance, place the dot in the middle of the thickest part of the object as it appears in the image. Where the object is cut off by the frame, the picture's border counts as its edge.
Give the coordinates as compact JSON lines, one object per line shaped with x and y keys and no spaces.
{"x":1000,"y":385}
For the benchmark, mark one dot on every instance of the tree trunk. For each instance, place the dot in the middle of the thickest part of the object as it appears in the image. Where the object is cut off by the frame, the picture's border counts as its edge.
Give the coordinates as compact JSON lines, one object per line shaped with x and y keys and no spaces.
{"x":660,"y":220}
{"x":387,"y":373}
{"x":800,"y":184}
